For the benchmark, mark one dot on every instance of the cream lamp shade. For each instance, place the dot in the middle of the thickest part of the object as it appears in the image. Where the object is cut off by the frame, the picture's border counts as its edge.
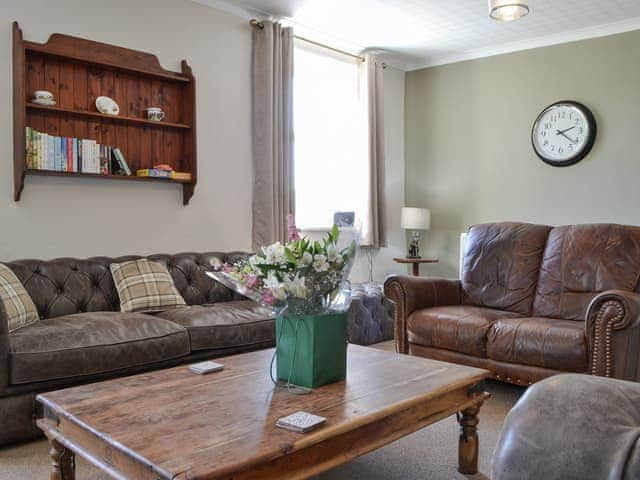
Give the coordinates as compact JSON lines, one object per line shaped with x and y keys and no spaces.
{"x":415,"y":218}
{"x":507,"y":10}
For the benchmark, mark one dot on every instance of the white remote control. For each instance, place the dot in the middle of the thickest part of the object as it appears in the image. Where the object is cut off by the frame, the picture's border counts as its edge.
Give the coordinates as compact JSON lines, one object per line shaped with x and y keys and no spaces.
{"x":205,"y":367}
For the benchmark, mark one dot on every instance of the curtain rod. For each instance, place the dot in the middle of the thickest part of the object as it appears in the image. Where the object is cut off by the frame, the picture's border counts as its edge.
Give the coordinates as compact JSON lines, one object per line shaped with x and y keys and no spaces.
{"x":360,"y":58}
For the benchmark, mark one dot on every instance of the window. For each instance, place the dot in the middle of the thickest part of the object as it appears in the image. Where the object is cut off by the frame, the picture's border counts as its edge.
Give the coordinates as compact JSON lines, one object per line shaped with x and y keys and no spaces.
{"x":330,"y":137}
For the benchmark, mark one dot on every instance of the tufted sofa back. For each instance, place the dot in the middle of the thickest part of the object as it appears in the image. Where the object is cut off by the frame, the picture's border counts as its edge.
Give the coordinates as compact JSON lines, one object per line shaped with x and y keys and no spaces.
{"x":551,"y":272}
{"x":501,"y":265}
{"x":64,"y":286}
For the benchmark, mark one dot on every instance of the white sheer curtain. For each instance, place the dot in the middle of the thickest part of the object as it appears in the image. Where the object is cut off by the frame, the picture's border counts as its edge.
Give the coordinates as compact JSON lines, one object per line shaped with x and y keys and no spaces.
{"x":330,"y":137}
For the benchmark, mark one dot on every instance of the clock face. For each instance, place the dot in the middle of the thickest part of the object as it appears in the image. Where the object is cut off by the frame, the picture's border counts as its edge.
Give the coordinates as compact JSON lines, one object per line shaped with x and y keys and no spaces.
{"x":563,"y":133}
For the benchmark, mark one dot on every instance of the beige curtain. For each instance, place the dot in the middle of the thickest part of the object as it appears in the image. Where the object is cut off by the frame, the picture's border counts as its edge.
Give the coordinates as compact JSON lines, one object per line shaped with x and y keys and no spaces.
{"x":374,"y":236}
{"x":273,"y":196}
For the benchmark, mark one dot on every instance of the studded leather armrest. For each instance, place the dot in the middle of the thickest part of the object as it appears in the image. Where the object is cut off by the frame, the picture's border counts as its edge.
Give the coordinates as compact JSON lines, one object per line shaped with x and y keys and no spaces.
{"x":4,"y":350}
{"x":613,"y":333}
{"x":410,"y":294}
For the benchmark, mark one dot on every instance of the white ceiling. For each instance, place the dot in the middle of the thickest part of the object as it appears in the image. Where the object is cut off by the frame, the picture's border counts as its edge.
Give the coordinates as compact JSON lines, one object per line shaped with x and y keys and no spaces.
{"x":419,"y":33}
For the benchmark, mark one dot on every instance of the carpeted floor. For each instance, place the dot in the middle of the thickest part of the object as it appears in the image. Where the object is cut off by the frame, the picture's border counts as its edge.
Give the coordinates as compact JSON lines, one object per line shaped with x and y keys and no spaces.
{"x":431,"y":453}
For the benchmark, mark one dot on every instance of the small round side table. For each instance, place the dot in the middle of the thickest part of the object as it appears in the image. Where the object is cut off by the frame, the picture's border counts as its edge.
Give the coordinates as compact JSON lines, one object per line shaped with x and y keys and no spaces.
{"x":415,"y":263}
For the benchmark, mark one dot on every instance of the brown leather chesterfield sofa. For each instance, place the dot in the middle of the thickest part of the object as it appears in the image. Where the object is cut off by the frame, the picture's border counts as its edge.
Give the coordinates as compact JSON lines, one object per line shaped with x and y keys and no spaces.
{"x":83,"y":337}
{"x":533,"y":301}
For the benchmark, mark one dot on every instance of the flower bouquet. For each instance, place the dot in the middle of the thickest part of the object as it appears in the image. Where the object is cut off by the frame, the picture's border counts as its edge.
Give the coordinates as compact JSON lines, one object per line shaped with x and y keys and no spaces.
{"x":304,"y":284}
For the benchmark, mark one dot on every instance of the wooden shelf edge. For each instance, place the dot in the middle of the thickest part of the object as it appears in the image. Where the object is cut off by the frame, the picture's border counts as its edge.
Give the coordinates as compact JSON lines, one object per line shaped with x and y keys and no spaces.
{"x":115,"y":118}
{"x":54,"y":173}
{"x":55,"y":51}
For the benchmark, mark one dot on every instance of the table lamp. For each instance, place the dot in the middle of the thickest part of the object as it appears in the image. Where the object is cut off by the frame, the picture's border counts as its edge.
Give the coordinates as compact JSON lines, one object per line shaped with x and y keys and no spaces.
{"x":415,"y":220}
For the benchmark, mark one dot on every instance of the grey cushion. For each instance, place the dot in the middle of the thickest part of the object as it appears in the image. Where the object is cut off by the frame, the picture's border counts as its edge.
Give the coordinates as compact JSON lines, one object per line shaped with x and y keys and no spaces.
{"x":238,"y":323}
{"x":572,"y":427}
{"x":90,"y":343}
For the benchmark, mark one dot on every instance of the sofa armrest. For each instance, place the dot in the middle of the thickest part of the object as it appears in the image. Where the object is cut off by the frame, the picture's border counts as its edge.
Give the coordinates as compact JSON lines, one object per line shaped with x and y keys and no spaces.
{"x":4,"y":350}
{"x":410,"y":294}
{"x":613,"y":335}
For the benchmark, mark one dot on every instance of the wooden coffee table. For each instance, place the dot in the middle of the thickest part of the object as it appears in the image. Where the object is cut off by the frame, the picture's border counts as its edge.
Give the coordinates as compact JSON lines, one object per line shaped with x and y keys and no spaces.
{"x":172,"y":424}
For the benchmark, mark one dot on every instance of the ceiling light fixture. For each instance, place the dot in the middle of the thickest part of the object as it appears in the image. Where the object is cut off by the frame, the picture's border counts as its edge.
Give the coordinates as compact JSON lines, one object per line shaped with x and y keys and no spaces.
{"x":507,"y":10}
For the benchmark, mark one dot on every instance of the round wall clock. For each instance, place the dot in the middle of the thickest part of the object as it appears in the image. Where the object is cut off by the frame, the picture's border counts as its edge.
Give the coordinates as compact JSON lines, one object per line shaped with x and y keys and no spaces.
{"x":563,"y":133}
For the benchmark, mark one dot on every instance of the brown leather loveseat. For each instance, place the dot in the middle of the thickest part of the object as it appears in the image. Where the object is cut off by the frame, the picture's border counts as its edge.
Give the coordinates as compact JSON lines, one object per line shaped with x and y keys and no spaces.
{"x":82,"y":336}
{"x":533,"y":301}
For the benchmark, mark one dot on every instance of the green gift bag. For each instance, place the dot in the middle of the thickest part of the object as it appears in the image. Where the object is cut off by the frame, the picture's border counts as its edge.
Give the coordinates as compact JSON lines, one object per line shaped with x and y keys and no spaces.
{"x":311,"y":350}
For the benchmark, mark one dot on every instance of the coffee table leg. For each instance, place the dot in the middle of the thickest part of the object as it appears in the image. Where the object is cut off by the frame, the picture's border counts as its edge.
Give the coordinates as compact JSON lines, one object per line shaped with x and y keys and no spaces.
{"x":468,"y":442}
{"x":62,"y":462}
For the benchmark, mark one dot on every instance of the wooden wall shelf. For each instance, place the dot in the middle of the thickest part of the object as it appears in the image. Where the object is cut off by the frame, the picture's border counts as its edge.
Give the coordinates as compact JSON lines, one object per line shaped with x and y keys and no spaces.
{"x":114,"y":118}
{"x":77,"y":71}
{"x":133,"y":178}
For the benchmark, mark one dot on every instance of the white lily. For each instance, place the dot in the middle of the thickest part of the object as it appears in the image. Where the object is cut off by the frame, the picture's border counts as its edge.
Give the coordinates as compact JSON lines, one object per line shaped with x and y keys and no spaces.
{"x":320,"y":263}
{"x":332,"y":253}
{"x":296,"y":287}
{"x":305,"y":260}
{"x":274,"y":254}
{"x":277,"y":288}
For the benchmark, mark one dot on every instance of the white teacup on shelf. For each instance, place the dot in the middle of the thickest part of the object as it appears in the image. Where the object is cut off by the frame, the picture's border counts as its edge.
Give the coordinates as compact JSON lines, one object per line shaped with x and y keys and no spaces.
{"x":45,"y":95}
{"x":154,"y":114}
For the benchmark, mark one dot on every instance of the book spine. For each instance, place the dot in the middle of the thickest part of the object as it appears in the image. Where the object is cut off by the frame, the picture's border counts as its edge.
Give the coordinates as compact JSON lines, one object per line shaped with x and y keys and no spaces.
{"x":96,"y":158}
{"x":74,"y":157}
{"x":69,"y":159}
{"x":104,"y":168}
{"x":36,"y":147}
{"x":63,"y":157}
{"x":27,"y":148}
{"x":79,"y":156}
{"x":61,"y":148}
{"x":48,"y":153}
{"x":38,"y":142}
{"x":123,"y":161}
{"x":54,"y":160}
{"x":150,"y":172}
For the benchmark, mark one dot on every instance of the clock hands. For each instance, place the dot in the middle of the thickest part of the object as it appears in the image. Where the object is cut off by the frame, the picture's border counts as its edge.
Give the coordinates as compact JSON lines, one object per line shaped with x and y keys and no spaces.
{"x":562,"y":132}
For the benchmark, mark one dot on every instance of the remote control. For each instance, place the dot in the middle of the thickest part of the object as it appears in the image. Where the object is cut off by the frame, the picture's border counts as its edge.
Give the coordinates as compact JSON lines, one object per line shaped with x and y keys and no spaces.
{"x":205,"y":367}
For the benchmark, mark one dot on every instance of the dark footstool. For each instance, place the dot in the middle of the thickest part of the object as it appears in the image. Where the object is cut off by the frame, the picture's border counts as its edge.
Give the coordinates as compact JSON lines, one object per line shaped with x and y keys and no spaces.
{"x":370,"y":315}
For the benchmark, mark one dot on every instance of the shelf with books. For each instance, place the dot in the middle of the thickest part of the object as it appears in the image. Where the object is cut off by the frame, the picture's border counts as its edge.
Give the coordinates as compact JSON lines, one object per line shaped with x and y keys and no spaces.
{"x":53,"y":173}
{"x":97,"y":115}
{"x":77,"y":71}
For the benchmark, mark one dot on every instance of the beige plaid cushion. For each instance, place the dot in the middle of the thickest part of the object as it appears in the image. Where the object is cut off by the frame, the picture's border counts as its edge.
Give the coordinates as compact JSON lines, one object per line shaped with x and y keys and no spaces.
{"x":145,"y":286}
{"x":17,"y":303}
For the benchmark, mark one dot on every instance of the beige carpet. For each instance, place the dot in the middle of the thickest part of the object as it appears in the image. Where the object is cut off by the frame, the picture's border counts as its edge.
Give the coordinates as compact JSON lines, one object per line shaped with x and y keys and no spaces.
{"x":431,"y":453}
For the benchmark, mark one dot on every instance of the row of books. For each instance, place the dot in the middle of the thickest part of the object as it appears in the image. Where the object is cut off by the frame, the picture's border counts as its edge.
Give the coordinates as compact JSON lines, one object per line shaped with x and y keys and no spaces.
{"x":66,"y":154}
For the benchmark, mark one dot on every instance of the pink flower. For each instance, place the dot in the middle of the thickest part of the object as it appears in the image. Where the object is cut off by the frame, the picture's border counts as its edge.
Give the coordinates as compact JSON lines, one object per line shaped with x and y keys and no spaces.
{"x":292,"y":229}
{"x":251,"y":281}
{"x":226,"y":268}
{"x":268,"y":298}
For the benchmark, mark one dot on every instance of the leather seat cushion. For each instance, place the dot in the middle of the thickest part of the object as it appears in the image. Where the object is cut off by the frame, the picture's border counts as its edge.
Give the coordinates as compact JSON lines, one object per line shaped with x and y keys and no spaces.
{"x":227,"y":324}
{"x":542,"y":342}
{"x":91,"y":343}
{"x":462,"y":329}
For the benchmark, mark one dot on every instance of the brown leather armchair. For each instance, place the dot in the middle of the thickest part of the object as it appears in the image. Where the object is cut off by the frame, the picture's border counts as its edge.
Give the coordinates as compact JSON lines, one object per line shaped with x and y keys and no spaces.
{"x":533,"y":301}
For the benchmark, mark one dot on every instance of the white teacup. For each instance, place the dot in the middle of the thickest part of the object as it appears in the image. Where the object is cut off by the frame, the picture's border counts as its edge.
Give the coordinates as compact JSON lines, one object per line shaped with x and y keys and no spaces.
{"x":154,"y":113}
{"x":43,"y":95}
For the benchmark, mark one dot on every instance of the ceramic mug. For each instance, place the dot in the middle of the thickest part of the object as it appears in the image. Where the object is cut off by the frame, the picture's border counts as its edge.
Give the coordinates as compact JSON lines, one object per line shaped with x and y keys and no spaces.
{"x":43,"y":95}
{"x":155,"y":114}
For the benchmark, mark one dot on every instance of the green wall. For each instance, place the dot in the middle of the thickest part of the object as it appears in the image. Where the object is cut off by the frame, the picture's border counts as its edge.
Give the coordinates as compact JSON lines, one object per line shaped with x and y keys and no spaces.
{"x":468,"y":149}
